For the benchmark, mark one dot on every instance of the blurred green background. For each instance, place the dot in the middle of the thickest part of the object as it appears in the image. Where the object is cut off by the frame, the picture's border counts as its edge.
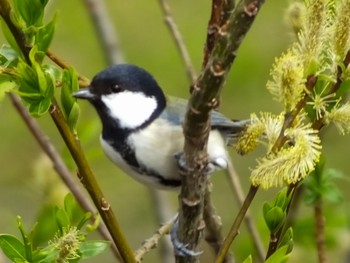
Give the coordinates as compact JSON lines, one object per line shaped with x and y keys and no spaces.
{"x":26,"y":177}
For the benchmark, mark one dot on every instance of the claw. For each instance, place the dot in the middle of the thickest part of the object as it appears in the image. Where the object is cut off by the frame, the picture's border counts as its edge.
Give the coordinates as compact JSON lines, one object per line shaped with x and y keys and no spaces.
{"x":180,"y":248}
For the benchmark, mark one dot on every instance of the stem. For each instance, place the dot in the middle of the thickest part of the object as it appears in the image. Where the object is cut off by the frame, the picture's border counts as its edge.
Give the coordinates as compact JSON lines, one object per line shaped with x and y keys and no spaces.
{"x":248,"y":220}
{"x":213,"y":226}
{"x":153,"y":241}
{"x":105,"y":31}
{"x":178,"y":39}
{"x":319,"y":232}
{"x":236,"y":224}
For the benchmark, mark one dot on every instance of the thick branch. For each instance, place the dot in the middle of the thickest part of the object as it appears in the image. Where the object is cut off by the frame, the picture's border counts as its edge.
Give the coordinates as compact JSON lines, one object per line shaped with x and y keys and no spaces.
{"x":205,"y":94}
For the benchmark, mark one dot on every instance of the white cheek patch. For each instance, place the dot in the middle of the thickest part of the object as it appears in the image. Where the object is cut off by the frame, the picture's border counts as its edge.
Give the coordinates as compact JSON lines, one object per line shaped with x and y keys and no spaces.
{"x":131,"y":109}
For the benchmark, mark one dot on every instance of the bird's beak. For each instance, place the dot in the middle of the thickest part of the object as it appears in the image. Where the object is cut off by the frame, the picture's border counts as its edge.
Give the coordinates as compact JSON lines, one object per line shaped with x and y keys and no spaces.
{"x":84,"y":93}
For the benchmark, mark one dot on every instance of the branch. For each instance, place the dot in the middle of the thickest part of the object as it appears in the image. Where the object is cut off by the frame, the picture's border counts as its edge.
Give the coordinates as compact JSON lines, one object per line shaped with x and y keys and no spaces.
{"x":106,"y":33}
{"x":175,"y":33}
{"x":85,"y":172}
{"x":152,"y":242}
{"x":220,"y":13}
{"x":205,"y":94}
{"x":319,"y":232}
{"x":239,"y":195}
{"x":213,"y":226}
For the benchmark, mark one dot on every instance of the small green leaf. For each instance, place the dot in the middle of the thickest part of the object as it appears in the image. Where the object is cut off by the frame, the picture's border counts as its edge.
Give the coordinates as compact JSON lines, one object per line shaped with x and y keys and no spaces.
{"x":27,"y":243}
{"x":6,"y":86}
{"x":287,"y":240}
{"x":274,"y":219}
{"x":69,"y":205}
{"x":44,"y":35}
{"x":70,"y":107}
{"x":11,"y":39}
{"x":249,"y":259}
{"x":40,"y":107}
{"x":32,"y":11}
{"x":90,"y":249}
{"x":280,"y":256}
{"x":73,"y":116}
{"x":12,"y":248}
{"x":281,"y":199}
{"x":62,"y":219}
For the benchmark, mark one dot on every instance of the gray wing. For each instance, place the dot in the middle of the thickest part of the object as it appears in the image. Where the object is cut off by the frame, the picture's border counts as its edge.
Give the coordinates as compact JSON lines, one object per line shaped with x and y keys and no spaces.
{"x":175,"y":113}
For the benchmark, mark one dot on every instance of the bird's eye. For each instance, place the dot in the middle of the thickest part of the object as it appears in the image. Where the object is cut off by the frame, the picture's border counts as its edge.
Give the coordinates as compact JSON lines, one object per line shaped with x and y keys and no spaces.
{"x":116,"y":88}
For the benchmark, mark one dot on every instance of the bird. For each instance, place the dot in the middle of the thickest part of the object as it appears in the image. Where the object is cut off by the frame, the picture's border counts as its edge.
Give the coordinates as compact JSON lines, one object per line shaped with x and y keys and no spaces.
{"x":142,"y":127}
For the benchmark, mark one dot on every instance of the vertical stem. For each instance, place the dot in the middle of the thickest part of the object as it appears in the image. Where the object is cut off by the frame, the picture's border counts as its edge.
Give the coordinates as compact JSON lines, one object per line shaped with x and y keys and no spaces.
{"x":319,"y":232}
{"x":236,"y":224}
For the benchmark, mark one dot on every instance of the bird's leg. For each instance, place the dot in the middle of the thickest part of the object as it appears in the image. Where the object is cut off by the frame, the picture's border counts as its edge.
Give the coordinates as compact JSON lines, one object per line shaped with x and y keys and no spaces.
{"x":183,"y":167}
{"x":180,"y":248}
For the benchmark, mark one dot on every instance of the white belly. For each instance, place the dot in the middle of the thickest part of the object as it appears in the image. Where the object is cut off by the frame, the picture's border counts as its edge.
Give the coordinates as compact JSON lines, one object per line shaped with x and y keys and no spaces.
{"x":155,"y":148}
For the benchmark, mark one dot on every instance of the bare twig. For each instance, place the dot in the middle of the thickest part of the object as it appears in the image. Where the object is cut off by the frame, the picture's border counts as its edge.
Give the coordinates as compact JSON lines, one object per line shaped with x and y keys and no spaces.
{"x":161,"y":206}
{"x":178,"y":40}
{"x":59,"y":165}
{"x":152,"y":242}
{"x":239,"y":195}
{"x":213,"y":226}
{"x":107,"y":35}
{"x":236,"y":224}
{"x":319,"y":232}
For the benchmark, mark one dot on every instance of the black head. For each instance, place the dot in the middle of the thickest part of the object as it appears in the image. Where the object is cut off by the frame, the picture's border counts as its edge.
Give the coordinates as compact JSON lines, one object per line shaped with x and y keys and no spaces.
{"x":125,"y":93}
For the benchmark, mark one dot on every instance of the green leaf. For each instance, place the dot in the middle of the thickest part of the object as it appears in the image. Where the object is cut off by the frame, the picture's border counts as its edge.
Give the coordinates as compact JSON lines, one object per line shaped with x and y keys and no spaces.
{"x":26,"y":241}
{"x":69,"y":205}
{"x":249,"y":259}
{"x":8,"y":57}
{"x":70,"y":107}
{"x":12,"y":248}
{"x":44,"y":35}
{"x":6,"y":86}
{"x":279,"y":256}
{"x":274,"y":219}
{"x":281,"y":199}
{"x":90,"y":249}
{"x":32,"y":11}
{"x":62,"y":219}
{"x":73,"y":116}
{"x":287,"y":240}
{"x":40,"y":107}
{"x":11,"y":39}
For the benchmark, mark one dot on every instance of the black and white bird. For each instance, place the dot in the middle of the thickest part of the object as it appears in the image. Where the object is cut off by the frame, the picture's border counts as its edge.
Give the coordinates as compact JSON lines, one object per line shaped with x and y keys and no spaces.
{"x":142,"y":128}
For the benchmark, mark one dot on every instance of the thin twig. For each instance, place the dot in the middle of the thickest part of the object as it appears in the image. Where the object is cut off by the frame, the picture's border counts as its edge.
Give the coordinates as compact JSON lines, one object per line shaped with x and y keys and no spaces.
{"x":59,"y":165}
{"x":175,"y":33}
{"x":236,"y":224}
{"x":107,"y":35}
{"x":152,"y":242}
{"x":319,"y":232}
{"x":249,"y":222}
{"x":161,"y":206}
{"x":213,"y":226}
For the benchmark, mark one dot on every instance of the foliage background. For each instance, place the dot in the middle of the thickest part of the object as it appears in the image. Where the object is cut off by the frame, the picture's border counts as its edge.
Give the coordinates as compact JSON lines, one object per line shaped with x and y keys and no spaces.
{"x":145,"y":41}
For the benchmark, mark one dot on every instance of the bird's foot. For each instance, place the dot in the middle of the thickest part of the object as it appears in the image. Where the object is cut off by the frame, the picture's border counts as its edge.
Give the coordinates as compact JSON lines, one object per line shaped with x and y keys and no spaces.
{"x":183,"y":167}
{"x":180,"y":248}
